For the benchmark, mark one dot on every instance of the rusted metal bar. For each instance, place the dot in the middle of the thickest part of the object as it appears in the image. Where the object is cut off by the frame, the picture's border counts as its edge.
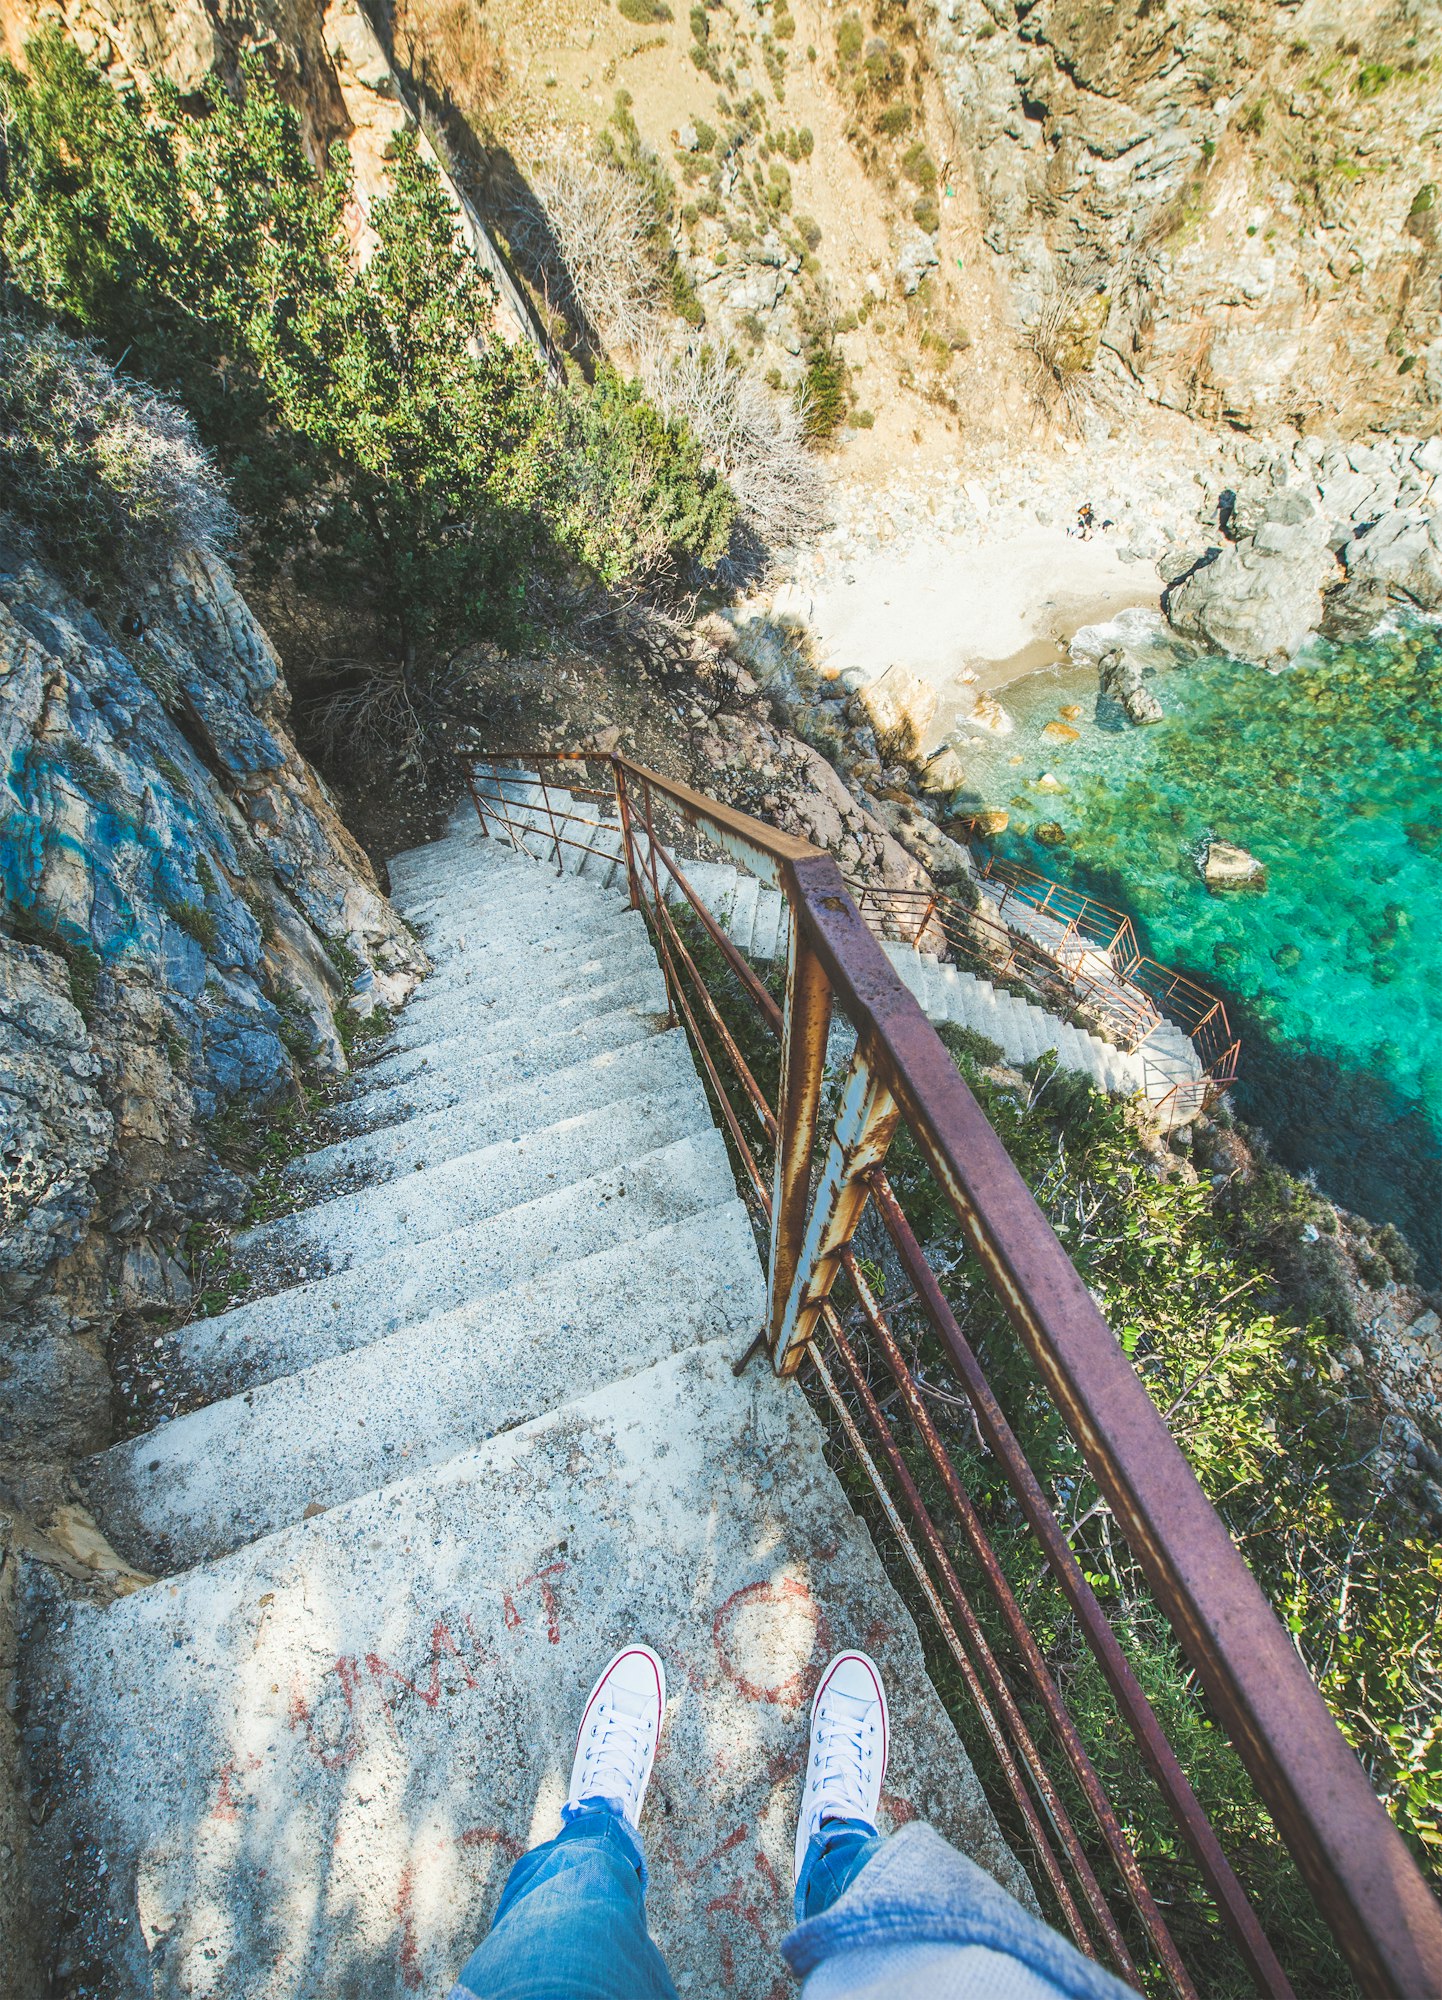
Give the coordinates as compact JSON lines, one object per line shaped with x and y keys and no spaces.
{"x":864,"y":1128}
{"x":760,"y":998}
{"x":1021,"y":1735}
{"x":1161,"y":1760}
{"x":713,"y":1014}
{"x":470,"y":778}
{"x":996,"y":1735}
{"x":628,"y":843}
{"x":806,"y":1023}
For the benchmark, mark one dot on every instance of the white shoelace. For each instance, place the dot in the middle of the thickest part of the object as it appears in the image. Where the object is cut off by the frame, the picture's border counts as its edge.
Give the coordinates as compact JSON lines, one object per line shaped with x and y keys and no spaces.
{"x":615,"y":1758}
{"x":842,"y":1749}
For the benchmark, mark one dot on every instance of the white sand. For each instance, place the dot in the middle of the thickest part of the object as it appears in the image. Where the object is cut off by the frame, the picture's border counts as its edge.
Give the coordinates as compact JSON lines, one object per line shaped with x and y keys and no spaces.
{"x":964,"y":611}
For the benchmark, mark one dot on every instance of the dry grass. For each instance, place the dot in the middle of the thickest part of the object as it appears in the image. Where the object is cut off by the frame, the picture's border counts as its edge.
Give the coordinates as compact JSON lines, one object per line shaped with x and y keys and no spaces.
{"x":1061,"y":342}
{"x":451,"y":53}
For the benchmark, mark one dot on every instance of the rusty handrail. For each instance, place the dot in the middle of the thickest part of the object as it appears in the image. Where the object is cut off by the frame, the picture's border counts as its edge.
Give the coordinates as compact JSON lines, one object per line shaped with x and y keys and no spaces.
{"x":1354,"y":1861}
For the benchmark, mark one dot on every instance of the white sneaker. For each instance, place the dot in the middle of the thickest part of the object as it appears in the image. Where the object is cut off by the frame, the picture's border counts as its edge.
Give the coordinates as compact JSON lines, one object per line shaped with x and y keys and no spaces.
{"x":616,"y":1743}
{"x":850,"y":1739}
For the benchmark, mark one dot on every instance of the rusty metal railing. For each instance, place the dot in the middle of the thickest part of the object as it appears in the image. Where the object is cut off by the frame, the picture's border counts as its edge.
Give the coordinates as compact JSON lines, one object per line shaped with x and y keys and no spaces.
{"x":812,"y":1144}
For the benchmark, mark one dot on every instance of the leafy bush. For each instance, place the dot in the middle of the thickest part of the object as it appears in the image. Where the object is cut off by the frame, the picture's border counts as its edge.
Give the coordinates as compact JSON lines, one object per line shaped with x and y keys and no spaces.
{"x":640,"y":491}
{"x":850,"y":40}
{"x":644,"y":12}
{"x":108,"y":478}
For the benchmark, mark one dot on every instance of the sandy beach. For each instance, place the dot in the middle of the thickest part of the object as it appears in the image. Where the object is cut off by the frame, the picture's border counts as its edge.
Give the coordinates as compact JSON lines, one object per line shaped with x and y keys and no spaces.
{"x":965,"y":612}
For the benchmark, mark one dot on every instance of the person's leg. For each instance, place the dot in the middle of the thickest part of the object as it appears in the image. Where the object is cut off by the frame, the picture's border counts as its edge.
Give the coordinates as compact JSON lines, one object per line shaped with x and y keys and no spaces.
{"x":903,"y":1918}
{"x":836,"y":1833}
{"x":571,"y":1922}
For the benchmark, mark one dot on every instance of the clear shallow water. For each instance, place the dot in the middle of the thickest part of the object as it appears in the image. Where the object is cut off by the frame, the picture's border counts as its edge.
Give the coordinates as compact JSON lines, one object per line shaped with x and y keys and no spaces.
{"x":1331,"y":774}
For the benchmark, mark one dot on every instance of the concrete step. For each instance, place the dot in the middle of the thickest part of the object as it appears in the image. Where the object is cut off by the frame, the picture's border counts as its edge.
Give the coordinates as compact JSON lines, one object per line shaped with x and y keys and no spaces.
{"x":767,"y":928}
{"x":439,"y":1080}
{"x":510,"y":1023}
{"x":286,"y":1331}
{"x":500,"y":899}
{"x":510,"y":982}
{"x":465,"y":960}
{"x":309,"y":1765}
{"x":207,"y":1483}
{"x":742,"y":920}
{"x":355,"y":1228}
{"x":654,"y":1067}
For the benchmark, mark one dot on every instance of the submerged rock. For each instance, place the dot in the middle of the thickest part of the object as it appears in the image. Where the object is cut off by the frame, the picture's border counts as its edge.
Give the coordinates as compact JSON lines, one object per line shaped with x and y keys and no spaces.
{"x":1225,"y":867}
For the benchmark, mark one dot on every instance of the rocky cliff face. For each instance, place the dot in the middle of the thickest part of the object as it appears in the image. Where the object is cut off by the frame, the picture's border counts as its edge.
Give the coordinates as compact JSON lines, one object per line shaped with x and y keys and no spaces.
{"x":1233,"y":204}
{"x":185,"y":916}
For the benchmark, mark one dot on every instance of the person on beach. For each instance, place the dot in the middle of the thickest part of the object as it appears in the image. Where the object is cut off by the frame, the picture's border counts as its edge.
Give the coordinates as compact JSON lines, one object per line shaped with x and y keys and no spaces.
{"x":904,"y":1918}
{"x":1086,"y":520}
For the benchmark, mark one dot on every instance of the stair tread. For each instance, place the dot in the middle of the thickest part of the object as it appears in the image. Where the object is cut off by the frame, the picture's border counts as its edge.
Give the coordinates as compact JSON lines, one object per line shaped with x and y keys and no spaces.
{"x":358,"y":1227}
{"x":659,"y":1064}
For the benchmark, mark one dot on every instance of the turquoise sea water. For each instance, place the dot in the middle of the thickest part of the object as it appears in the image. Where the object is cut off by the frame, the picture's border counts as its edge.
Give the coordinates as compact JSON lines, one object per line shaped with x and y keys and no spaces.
{"x":1331,"y":774}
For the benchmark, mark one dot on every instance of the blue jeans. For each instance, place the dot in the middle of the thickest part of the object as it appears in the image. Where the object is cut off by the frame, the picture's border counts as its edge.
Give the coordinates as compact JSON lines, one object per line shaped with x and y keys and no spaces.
{"x":571,"y":1922}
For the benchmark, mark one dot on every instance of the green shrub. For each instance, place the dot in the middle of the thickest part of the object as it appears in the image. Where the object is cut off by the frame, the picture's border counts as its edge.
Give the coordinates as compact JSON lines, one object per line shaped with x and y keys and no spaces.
{"x":809,"y":231}
{"x":196,"y":921}
{"x":919,"y":167}
{"x":894,"y":120}
{"x":644,"y":13}
{"x":399,"y":471}
{"x":970,"y":1046}
{"x":705,"y":136}
{"x":700,"y":25}
{"x":926,"y":215}
{"x":822,"y":396}
{"x":850,"y":40}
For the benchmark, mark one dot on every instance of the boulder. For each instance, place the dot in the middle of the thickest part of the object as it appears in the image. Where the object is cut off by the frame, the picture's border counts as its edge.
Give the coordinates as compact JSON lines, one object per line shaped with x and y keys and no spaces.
{"x":943,"y":774}
{"x":899,"y":707}
{"x":1396,"y":564}
{"x":1121,"y":681}
{"x":1260,"y":599}
{"x":1060,"y":732}
{"x":916,"y":254}
{"x":1225,"y":867}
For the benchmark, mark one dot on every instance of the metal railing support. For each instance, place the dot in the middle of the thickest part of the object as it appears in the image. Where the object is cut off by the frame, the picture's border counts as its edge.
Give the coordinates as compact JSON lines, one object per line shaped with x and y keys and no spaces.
{"x":806,"y":1023}
{"x":865,"y":1126}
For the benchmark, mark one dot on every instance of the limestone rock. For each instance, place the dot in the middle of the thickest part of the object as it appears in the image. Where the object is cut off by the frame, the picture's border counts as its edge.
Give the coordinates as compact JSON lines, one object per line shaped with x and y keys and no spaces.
{"x":1226,"y":867}
{"x":916,"y":254}
{"x":1060,"y":732}
{"x":176,"y":893}
{"x":1121,"y":680}
{"x":900,"y":707}
{"x":1260,"y":599}
{"x":943,"y":774}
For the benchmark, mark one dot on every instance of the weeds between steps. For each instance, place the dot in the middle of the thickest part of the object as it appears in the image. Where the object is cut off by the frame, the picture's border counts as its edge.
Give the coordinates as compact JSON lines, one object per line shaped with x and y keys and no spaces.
{"x":1236,"y":1341}
{"x":150,"y":1384}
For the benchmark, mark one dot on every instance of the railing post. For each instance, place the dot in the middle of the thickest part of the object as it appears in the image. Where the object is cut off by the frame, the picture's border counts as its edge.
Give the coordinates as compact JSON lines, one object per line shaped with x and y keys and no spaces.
{"x":804,"y":1028}
{"x":865,"y":1125}
{"x":623,"y":807}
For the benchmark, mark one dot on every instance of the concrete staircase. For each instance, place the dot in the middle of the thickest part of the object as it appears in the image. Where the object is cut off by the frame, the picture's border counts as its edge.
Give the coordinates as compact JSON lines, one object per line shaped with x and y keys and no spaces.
{"x":478,"y":1426}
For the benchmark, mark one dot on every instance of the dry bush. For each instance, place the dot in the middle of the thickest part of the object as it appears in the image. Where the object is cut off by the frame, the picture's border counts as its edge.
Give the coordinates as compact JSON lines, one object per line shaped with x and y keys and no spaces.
{"x":603,"y":221}
{"x":1062,"y":340}
{"x":106,"y":477}
{"x":755,"y":438}
{"x":451,"y":53}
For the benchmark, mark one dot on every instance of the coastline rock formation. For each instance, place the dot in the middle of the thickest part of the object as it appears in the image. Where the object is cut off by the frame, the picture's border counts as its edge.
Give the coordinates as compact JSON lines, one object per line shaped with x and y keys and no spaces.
{"x":186,"y":917}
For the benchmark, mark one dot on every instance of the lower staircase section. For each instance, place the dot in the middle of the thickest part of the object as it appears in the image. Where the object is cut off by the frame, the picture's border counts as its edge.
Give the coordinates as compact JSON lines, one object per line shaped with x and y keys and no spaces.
{"x":478,"y":1425}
